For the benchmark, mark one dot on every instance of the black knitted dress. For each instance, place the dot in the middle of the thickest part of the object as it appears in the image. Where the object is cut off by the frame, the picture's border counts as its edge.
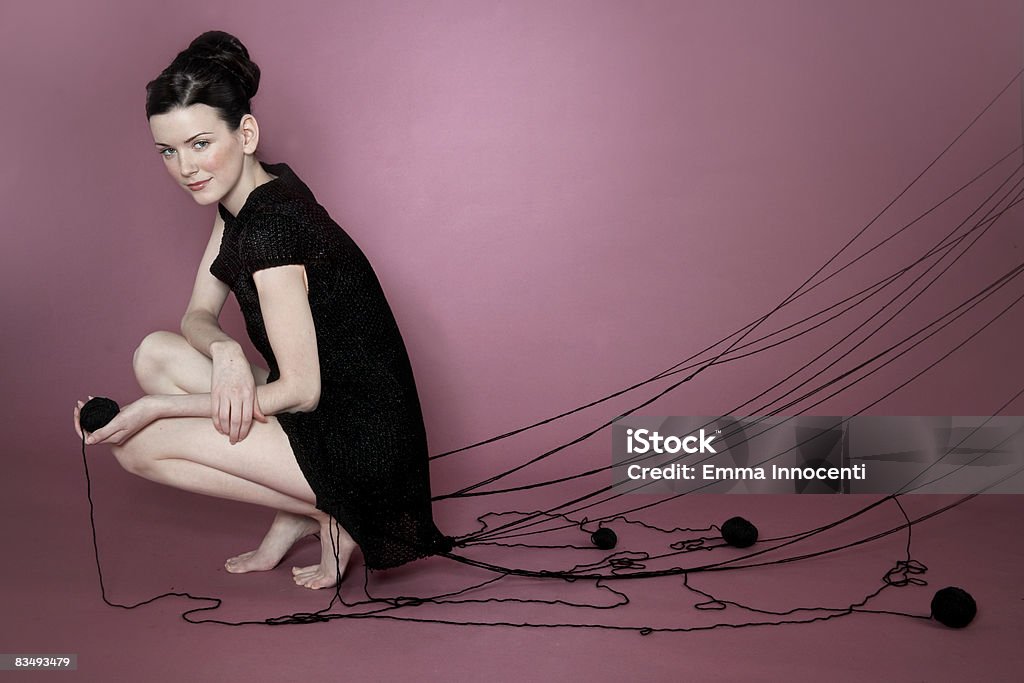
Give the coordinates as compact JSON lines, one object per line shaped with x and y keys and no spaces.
{"x":364,"y":449}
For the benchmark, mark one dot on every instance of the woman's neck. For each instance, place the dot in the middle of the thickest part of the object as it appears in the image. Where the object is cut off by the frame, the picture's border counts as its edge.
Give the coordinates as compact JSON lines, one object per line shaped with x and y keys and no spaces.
{"x":253,"y":175}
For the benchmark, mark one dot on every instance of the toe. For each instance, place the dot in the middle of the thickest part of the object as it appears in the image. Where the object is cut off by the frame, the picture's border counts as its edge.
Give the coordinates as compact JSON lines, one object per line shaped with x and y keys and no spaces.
{"x":237,"y":559}
{"x":313,"y":582}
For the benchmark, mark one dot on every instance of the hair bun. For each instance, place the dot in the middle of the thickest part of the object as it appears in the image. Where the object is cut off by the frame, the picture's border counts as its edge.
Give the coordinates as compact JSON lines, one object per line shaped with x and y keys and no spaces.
{"x":230,"y":54}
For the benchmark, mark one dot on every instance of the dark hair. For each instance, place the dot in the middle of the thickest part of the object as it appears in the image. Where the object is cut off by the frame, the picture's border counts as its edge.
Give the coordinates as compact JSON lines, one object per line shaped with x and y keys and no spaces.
{"x":214,"y":70}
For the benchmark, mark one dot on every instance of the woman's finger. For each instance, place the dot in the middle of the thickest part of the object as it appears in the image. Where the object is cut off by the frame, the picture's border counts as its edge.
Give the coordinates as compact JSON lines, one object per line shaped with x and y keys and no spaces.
{"x":237,"y":413}
{"x":246,"y":419}
{"x":78,"y":427}
{"x":112,"y":437}
{"x":236,"y":422}
{"x":97,"y":436}
{"x":225,"y":416}
{"x":215,"y":410}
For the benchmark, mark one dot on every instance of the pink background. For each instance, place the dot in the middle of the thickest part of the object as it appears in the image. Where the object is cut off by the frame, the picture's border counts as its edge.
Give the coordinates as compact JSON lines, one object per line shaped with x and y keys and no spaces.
{"x":560,"y":199}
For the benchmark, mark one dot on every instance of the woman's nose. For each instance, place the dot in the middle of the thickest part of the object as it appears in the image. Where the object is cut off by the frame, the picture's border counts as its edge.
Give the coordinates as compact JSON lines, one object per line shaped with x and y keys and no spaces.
{"x":186,"y":165}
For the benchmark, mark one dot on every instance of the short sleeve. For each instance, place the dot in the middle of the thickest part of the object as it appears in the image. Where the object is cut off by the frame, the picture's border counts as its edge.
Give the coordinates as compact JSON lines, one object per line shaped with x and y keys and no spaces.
{"x":277,"y":239}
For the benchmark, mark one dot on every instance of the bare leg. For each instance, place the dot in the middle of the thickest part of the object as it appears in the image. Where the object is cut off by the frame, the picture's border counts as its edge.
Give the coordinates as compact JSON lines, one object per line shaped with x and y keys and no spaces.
{"x":165,"y":363}
{"x":189,"y":453}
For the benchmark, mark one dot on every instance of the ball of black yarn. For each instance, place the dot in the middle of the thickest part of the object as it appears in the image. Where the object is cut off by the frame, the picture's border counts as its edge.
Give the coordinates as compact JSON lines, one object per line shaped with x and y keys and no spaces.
{"x":604,"y":538}
{"x":739,"y":532}
{"x":97,"y":413}
{"x":953,"y":607}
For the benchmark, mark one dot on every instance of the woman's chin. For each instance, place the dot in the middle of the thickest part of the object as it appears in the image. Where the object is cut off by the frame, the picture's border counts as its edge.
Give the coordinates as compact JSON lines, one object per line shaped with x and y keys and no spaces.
{"x":203,"y":199}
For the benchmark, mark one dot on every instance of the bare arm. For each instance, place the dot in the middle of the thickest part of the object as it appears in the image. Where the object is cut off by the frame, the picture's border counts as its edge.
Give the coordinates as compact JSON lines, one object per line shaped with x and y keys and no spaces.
{"x":233,"y":399}
{"x":200,"y":324}
{"x":276,"y":397}
{"x":289,"y":321}
{"x":284,"y":302}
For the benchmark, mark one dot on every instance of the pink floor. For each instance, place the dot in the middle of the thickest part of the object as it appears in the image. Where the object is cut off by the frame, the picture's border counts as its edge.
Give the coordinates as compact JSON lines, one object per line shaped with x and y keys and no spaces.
{"x":153,"y":539}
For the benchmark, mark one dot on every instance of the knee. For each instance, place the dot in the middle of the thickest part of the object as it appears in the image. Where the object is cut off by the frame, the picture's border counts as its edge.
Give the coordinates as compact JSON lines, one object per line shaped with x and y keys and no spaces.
{"x":152,"y":353}
{"x":129,"y":458}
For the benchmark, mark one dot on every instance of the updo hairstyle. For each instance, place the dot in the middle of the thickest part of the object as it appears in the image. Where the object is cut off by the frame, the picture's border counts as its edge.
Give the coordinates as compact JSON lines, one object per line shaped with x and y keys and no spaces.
{"x":214,"y":70}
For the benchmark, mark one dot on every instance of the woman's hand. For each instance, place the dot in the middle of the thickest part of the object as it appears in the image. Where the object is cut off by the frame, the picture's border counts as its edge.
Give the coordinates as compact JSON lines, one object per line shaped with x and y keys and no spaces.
{"x":129,"y":420}
{"x":233,"y":394}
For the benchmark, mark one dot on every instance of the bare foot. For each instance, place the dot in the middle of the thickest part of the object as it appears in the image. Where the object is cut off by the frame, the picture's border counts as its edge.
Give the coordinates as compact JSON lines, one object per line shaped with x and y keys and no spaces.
{"x":326,"y":574}
{"x":287,"y":528}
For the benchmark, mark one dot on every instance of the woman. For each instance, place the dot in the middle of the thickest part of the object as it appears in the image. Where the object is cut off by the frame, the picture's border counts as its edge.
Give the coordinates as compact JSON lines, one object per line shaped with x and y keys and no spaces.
{"x":331,"y":435}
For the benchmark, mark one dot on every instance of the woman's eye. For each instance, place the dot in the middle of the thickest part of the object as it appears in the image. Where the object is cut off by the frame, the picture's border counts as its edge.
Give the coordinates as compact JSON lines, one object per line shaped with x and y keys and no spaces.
{"x":204,"y":143}
{"x":164,"y":152}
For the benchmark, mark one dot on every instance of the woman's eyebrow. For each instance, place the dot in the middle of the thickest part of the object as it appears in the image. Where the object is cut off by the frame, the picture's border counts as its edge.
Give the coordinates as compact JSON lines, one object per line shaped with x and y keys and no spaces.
{"x":164,"y":144}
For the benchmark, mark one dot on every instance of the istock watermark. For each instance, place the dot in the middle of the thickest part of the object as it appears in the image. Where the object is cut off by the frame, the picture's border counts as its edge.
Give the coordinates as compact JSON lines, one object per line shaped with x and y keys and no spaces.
{"x":818,"y":454}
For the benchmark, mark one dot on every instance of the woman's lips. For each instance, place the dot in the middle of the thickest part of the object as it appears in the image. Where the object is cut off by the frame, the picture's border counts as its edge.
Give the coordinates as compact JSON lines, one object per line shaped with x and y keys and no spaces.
{"x":195,"y":187}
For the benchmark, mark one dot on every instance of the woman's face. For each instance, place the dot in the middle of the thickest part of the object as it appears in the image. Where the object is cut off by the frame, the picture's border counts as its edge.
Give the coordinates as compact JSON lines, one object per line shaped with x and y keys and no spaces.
{"x":198,"y":150}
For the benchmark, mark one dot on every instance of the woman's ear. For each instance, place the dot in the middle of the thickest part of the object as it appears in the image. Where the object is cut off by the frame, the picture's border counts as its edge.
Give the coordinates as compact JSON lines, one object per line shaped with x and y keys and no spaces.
{"x":250,"y":132}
